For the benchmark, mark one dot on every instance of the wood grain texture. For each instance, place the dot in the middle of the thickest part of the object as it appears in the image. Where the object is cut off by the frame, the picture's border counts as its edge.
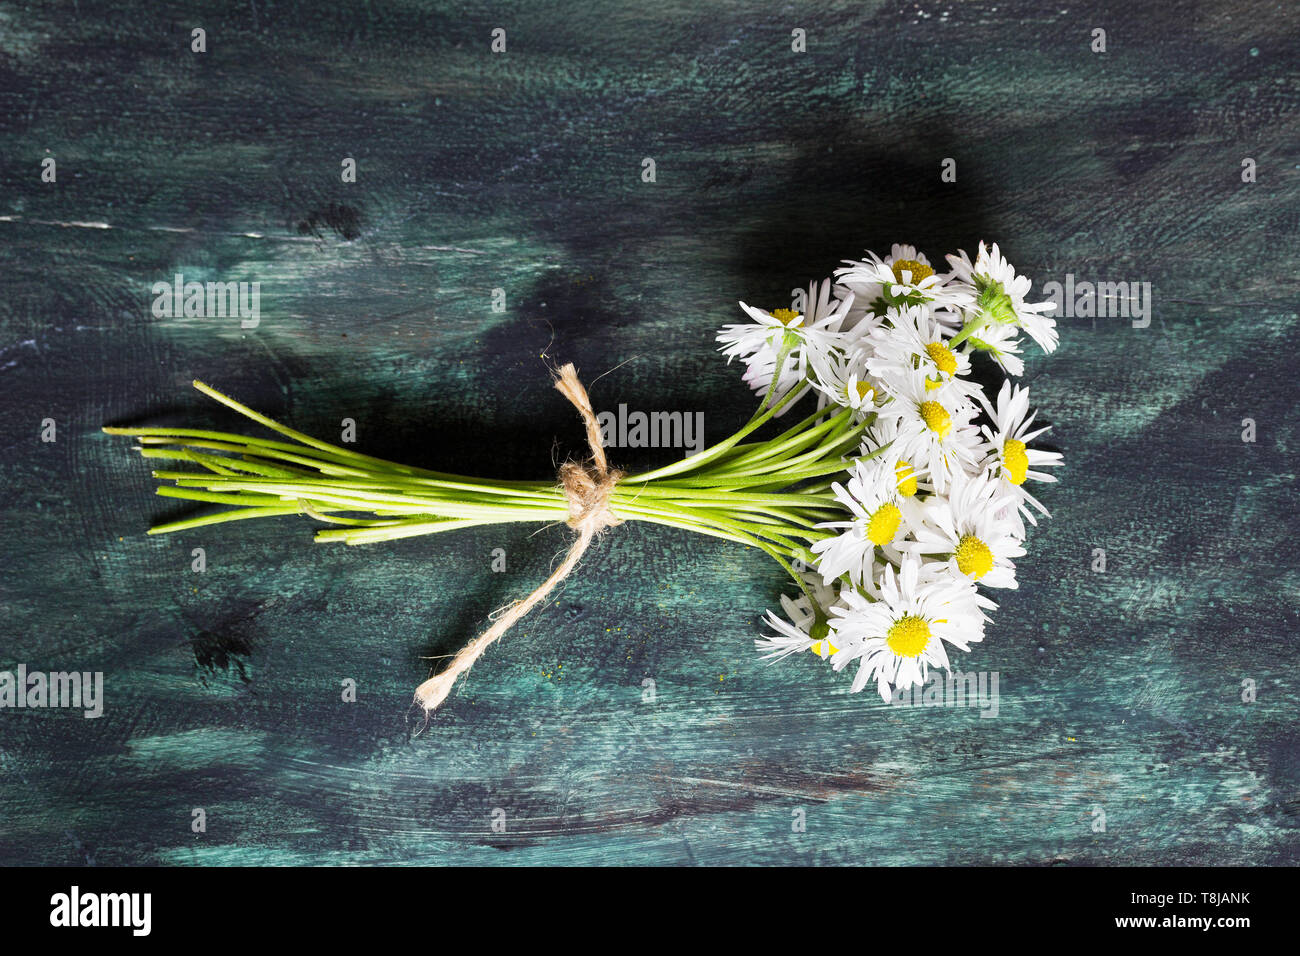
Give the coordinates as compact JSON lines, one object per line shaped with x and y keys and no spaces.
{"x":1119,"y":690}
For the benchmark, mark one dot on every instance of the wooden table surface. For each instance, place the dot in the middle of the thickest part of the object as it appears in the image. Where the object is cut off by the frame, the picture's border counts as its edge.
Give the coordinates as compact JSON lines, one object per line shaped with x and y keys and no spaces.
{"x":1125,"y":733}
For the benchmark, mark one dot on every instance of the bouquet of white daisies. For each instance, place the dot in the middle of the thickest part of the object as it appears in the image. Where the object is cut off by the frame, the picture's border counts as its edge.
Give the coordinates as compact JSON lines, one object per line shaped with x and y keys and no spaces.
{"x":889,"y":504}
{"x":936,"y":502}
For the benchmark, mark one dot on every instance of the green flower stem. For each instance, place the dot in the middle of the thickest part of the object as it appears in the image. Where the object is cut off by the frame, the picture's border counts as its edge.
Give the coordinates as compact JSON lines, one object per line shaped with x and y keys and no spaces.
{"x":798,"y":437}
{"x":830,"y":450}
{"x":238,"y":514}
{"x":769,"y":495}
{"x":709,"y":454}
{"x":406,"y":529}
{"x":683,"y":492}
{"x":789,"y":342}
{"x":967,"y":330}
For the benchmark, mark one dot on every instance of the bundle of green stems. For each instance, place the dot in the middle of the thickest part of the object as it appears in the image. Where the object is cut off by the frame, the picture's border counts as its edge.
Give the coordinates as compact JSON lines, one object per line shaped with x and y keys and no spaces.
{"x":769,"y":494}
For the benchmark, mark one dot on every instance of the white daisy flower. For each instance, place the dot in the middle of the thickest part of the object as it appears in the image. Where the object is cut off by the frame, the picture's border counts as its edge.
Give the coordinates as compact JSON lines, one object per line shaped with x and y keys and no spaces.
{"x":873,"y":500}
{"x":860,"y":320}
{"x":911,"y":339}
{"x":841,"y":378}
{"x":909,"y":479}
{"x":1001,"y":343}
{"x":969,"y":528}
{"x":906,"y":277}
{"x":1000,"y":294}
{"x":903,"y":481}
{"x":935,"y":429}
{"x":869,"y":294}
{"x":814,"y":333}
{"x":899,"y":637}
{"x":761,"y":367}
{"x":801,"y":632}
{"x":1009,"y":456}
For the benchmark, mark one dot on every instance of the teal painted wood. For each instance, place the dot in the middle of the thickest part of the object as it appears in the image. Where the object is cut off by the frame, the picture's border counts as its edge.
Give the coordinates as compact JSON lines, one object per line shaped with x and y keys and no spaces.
{"x":1120,"y":692}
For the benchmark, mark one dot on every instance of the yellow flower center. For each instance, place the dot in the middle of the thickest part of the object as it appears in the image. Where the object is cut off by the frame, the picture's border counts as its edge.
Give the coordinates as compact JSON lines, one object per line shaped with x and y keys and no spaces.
{"x":817,"y":648}
{"x":936,"y":418}
{"x":906,"y":479}
{"x":933,"y":384}
{"x":865,"y":389}
{"x":973,"y":556}
{"x":908,"y":635}
{"x":785,"y":316}
{"x":1015,"y":461}
{"x":942,"y":357}
{"x":882,"y":527}
{"x":919,"y":270}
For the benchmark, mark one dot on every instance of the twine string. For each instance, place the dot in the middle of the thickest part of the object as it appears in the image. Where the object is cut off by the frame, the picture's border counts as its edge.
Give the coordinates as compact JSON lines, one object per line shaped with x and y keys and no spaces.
{"x":587,"y":487}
